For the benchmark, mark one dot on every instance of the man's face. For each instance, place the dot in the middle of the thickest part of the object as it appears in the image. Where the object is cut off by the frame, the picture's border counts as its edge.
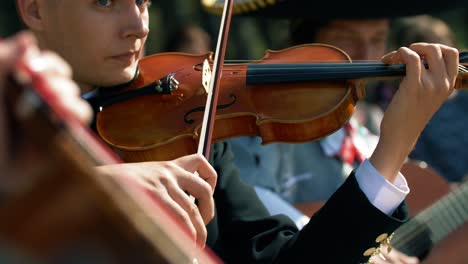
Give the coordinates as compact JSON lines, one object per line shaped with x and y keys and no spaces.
{"x":361,"y":40}
{"x":101,"y":39}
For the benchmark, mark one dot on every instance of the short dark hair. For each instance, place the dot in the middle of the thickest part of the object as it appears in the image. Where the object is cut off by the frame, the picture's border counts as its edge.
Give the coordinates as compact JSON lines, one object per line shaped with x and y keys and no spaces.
{"x":422,"y":28}
{"x":305,"y":30}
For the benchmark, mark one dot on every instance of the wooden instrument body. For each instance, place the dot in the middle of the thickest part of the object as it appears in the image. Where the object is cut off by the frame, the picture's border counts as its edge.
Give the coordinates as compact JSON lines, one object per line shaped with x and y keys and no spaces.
{"x":67,"y":210}
{"x":164,"y":127}
{"x":427,"y":187}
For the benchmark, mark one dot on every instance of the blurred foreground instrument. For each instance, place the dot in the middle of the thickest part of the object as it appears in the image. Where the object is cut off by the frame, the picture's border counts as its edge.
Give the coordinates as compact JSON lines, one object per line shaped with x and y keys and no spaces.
{"x":66,"y":211}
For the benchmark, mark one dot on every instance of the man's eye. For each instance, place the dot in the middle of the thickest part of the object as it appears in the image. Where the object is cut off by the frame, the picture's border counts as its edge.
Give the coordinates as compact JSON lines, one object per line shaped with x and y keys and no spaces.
{"x":379,"y":40}
{"x":146,"y":3}
{"x":104,"y":3}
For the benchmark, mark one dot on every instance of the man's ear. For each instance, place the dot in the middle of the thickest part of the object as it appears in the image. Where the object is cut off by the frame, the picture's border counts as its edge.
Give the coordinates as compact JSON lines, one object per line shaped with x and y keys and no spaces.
{"x":29,"y":13}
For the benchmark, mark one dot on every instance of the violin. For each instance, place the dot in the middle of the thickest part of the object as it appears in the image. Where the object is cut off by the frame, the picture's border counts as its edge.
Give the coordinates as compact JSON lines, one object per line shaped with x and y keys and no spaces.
{"x":294,"y":95}
{"x":68,"y":209}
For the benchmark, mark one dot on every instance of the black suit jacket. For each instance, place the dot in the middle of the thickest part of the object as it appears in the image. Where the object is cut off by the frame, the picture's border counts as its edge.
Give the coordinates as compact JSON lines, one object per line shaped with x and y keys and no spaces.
{"x":244,"y":232}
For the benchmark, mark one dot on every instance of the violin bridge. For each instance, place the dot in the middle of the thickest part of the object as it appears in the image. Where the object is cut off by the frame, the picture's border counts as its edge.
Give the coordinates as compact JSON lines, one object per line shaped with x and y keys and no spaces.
{"x":206,"y":75}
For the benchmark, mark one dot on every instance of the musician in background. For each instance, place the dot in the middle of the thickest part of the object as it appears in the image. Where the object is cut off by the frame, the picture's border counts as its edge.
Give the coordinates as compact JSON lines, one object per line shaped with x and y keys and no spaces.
{"x":285,"y":174}
{"x":102,"y":41}
{"x":444,"y":137}
{"x":19,"y":161}
{"x":189,"y":38}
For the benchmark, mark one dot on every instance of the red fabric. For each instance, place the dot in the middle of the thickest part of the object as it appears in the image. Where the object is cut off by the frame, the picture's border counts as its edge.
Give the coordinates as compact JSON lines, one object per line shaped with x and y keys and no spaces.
{"x":348,"y":152}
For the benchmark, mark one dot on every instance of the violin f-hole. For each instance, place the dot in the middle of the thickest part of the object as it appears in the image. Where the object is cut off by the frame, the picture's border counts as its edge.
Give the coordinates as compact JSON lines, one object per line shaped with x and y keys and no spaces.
{"x":202,"y":109}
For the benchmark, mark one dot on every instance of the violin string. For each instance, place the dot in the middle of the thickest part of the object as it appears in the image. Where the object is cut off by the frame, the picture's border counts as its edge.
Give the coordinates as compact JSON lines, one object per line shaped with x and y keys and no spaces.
{"x":311,"y":75}
{"x":347,"y":66}
{"x":355,"y":63}
{"x":360,"y":68}
{"x":357,"y":68}
{"x":361,"y":64}
{"x":338,"y":63}
{"x":309,"y":61}
{"x":186,"y":75}
{"x":336,"y":73}
{"x":310,"y":64}
{"x":258,"y":62}
{"x":306,"y":67}
{"x":286,"y":74}
{"x":461,"y":68}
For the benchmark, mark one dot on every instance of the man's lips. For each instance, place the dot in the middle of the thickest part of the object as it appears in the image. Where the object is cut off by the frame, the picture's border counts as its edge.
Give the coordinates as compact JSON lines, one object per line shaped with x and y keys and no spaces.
{"x":127,"y":57}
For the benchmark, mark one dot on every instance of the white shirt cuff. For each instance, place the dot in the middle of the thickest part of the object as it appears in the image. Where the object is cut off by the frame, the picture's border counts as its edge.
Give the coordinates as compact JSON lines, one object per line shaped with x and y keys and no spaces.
{"x":384,"y":195}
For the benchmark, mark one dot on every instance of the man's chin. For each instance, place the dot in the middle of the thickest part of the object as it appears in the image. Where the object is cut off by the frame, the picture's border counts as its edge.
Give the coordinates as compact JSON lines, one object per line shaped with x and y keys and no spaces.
{"x":118,"y":79}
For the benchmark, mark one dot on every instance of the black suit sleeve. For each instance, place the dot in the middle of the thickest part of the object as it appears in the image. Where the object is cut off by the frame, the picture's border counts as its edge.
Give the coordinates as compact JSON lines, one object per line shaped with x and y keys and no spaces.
{"x":243,"y":231}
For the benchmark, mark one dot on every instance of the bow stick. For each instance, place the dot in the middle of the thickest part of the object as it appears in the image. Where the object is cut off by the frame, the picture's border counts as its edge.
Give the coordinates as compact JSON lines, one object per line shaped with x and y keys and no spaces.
{"x":204,"y":144}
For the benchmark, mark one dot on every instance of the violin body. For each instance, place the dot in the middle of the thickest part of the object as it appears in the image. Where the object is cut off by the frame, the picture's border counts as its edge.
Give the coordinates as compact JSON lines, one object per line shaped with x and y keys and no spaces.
{"x":163,"y":127}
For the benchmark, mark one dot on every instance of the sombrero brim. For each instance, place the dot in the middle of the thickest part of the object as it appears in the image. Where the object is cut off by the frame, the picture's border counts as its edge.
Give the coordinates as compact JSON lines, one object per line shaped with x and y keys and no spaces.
{"x":334,"y":9}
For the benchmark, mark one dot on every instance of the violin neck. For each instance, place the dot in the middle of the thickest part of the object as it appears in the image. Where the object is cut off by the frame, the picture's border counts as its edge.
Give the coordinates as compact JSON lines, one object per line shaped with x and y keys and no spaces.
{"x":289,"y":73}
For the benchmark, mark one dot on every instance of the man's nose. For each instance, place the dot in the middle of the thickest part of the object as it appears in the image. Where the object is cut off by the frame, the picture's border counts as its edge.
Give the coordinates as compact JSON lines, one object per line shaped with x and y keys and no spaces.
{"x":363,"y":51}
{"x":136,"y":22}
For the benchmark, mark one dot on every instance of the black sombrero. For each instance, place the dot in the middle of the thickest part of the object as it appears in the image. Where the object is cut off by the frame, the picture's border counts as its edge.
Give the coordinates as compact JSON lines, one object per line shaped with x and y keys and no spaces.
{"x":332,"y":9}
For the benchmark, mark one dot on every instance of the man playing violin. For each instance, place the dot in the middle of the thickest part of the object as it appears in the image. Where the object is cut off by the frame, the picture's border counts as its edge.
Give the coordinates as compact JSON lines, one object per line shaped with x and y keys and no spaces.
{"x":102,"y":40}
